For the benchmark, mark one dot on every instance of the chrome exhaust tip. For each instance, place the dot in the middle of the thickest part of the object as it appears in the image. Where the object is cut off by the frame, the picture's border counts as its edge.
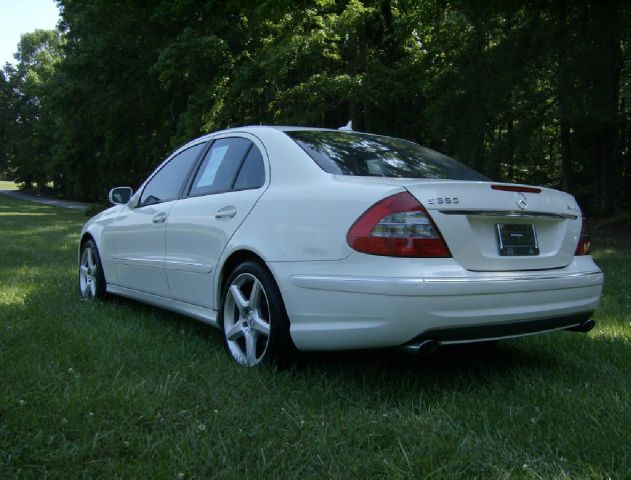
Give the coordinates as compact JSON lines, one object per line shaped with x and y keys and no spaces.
{"x":421,"y":347}
{"x":584,"y":327}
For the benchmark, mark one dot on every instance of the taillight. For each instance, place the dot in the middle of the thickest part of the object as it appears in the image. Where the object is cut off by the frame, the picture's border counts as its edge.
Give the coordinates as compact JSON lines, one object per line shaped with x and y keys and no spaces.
{"x":397,"y":226}
{"x":584,"y":246}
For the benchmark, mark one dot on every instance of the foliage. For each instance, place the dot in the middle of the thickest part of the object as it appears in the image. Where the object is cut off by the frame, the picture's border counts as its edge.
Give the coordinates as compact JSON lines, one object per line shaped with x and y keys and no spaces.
{"x":28,"y":123}
{"x":533,"y":92}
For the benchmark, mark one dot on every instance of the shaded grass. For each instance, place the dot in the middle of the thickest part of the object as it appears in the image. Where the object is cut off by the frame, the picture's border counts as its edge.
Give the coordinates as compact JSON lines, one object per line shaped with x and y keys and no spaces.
{"x":116,"y":388}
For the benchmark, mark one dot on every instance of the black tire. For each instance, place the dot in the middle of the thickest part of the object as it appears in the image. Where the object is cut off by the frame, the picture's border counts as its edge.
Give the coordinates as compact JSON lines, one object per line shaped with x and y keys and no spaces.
{"x":247,"y":321}
{"x":91,"y":277}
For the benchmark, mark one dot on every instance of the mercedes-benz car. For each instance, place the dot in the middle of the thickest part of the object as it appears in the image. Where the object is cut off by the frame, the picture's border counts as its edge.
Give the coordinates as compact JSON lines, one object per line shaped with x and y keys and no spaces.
{"x":294,"y":238}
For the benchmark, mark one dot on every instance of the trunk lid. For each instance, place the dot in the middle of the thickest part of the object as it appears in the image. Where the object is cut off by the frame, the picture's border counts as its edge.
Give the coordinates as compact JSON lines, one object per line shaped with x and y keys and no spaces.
{"x":489,"y":229}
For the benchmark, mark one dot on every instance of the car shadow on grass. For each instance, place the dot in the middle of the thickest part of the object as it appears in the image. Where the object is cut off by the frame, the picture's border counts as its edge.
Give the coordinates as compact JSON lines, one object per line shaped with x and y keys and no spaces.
{"x":474,"y":360}
{"x":561,"y":358}
{"x":483,"y":357}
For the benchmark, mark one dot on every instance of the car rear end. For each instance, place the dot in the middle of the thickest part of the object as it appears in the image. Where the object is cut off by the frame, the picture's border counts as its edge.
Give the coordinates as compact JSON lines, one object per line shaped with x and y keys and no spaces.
{"x":442,"y":260}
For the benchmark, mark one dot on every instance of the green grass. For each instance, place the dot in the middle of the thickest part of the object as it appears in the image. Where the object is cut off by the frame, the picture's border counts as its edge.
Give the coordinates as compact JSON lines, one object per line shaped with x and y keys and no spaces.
{"x":118,"y":389}
{"x":6,"y":185}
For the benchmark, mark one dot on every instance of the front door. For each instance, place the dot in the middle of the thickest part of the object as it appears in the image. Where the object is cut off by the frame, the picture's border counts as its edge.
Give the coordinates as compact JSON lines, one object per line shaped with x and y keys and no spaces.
{"x":135,"y":241}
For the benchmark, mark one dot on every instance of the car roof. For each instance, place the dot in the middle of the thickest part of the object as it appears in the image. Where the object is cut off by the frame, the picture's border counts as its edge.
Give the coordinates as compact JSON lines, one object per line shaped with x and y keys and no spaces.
{"x":257,"y":128}
{"x":282,"y":128}
{"x":253,"y":129}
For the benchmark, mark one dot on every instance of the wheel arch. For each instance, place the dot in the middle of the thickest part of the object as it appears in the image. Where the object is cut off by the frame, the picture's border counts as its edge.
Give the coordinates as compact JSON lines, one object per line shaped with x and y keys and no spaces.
{"x":232,"y":260}
{"x":85,"y":237}
{"x":283,"y":355}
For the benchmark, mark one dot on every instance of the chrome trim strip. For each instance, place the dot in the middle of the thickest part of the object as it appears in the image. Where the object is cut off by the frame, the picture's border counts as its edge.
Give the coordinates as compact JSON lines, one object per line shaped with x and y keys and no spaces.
{"x":484,"y":283}
{"x":147,"y":262}
{"x":298,"y":279}
{"x":183,"y":266}
{"x":202,"y":314}
{"x":510,"y":214}
{"x":506,"y":337}
{"x":513,"y":278}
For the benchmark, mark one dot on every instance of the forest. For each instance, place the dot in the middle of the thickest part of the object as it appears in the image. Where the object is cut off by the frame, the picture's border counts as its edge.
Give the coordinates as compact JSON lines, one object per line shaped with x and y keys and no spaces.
{"x":535,"y":92}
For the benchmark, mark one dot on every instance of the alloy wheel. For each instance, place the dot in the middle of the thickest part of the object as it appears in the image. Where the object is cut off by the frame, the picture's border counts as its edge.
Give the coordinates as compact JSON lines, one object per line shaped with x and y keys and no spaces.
{"x":246,"y":319}
{"x":88,"y":274}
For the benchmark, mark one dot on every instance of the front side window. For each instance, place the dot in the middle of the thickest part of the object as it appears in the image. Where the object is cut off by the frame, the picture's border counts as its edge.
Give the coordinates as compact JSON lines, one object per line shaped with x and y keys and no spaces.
{"x":224,"y":165}
{"x":346,"y":153}
{"x":166,"y":184}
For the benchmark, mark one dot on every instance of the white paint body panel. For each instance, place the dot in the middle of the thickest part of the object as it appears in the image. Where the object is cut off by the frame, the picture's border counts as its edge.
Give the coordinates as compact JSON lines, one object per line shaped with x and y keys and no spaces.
{"x":196,"y":237}
{"x":134,"y":246}
{"x":366,"y":301}
{"x":337,"y":298}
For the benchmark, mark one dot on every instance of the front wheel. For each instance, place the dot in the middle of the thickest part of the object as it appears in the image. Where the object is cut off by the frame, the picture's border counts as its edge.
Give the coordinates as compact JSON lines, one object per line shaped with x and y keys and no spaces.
{"x":91,"y":278}
{"x":253,"y":317}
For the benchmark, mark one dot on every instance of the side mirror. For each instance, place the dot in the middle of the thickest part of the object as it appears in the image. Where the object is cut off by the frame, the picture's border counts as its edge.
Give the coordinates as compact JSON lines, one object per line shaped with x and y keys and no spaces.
{"x":120,"y":195}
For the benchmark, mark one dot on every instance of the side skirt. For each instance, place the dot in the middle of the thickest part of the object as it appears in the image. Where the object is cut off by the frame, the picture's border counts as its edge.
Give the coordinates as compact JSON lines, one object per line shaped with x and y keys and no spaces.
{"x":202,"y":314}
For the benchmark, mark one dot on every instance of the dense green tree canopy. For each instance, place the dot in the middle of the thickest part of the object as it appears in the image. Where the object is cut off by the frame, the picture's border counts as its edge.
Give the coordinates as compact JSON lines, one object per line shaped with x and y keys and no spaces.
{"x":535,"y":92}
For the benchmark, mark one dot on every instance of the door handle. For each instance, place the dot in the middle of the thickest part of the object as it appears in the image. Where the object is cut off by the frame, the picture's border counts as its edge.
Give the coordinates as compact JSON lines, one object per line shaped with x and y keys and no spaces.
{"x":160,"y":218}
{"x":226,"y":212}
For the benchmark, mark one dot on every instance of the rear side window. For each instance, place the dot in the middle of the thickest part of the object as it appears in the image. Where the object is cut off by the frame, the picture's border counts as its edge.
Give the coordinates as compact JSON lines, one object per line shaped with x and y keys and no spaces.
{"x":167,"y":183}
{"x":220,"y":166}
{"x":357,"y":154}
{"x":252,"y":173}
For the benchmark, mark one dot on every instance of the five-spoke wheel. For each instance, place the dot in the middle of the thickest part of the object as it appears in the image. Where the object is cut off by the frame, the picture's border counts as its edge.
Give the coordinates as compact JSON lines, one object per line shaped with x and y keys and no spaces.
{"x":246,"y":319}
{"x":253,"y":319}
{"x":91,"y":279}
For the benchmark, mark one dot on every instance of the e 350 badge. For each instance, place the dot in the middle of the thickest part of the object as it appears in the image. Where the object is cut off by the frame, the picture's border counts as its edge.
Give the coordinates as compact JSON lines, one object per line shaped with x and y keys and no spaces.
{"x":442,"y":200}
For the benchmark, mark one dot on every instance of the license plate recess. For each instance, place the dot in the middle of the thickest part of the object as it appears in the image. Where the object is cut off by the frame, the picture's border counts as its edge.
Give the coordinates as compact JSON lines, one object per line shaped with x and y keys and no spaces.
{"x":517,"y":239}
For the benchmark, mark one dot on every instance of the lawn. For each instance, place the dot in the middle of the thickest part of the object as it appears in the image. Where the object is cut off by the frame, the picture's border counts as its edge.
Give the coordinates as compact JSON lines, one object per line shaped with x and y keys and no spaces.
{"x":7,"y":185}
{"x":115,"y":388}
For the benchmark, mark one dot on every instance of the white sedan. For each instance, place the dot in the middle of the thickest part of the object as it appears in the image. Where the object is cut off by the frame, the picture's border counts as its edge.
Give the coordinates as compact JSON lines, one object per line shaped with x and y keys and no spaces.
{"x":312,"y":239}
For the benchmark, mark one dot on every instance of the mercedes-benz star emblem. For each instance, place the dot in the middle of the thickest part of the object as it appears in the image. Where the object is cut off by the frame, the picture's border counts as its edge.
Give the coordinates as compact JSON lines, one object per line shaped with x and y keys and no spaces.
{"x":521,"y":201}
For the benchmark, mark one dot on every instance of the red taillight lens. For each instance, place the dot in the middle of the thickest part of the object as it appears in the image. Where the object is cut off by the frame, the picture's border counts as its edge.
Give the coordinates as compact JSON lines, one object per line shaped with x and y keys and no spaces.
{"x":397,"y":226}
{"x":584,"y":246}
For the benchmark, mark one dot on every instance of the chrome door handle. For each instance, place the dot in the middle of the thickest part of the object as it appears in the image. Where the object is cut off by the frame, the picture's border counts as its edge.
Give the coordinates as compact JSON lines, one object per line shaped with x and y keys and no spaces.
{"x":160,"y":218}
{"x":226,"y":212}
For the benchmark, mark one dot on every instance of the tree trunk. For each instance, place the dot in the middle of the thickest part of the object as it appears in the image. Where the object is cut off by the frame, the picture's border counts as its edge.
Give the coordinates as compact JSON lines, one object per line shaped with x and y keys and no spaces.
{"x":606,"y":94}
{"x":564,"y":94}
{"x":626,"y":162}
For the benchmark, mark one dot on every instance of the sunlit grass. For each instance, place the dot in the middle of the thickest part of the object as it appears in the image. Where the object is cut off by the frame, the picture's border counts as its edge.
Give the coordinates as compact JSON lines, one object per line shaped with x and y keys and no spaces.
{"x":24,"y":214}
{"x":8,"y":185}
{"x":118,"y":389}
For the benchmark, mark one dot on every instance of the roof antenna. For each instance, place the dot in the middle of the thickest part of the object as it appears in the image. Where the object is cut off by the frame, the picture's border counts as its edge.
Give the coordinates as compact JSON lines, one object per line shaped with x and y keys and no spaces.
{"x":348,"y":127}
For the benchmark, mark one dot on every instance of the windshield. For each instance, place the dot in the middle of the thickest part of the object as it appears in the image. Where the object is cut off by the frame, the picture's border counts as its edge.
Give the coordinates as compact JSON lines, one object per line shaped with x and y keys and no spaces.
{"x":357,"y":154}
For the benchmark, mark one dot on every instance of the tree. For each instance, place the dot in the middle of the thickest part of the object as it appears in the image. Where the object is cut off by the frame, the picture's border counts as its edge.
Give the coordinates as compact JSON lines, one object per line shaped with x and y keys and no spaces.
{"x":113,"y":121}
{"x":29,"y":131}
{"x":6,"y":115}
{"x":534,"y":92}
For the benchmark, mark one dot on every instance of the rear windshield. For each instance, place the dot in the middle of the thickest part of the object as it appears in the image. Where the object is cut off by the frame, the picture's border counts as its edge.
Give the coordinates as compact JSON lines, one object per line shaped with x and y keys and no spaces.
{"x":357,"y":154}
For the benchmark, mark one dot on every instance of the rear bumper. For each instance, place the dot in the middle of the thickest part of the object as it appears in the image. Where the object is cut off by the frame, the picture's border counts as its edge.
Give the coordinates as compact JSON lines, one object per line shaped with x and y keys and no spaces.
{"x":330,"y":311}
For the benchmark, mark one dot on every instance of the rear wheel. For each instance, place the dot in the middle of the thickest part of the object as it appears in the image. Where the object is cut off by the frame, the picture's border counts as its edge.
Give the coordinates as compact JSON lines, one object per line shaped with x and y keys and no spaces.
{"x":253,"y":317}
{"x":91,"y":278}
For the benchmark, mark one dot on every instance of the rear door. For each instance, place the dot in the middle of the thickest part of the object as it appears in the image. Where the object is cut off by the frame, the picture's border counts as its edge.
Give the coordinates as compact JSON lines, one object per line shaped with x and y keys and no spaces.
{"x":501,"y":227}
{"x":223,"y":191}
